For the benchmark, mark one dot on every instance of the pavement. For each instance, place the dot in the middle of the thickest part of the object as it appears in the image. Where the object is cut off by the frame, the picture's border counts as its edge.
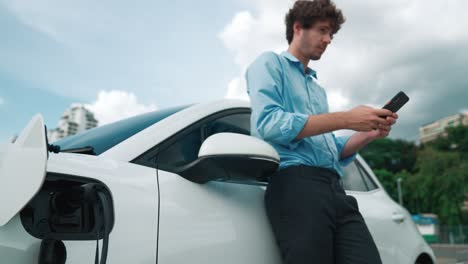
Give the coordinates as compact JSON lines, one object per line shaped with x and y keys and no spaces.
{"x":450,"y":254}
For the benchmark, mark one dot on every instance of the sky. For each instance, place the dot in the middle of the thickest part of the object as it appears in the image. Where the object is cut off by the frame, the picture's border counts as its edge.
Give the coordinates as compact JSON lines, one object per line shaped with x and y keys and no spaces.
{"x":122,"y":58}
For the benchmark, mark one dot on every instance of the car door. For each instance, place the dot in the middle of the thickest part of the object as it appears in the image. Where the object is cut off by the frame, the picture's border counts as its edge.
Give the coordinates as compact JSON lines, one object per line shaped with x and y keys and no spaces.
{"x":384,"y":218}
{"x":215,"y":222}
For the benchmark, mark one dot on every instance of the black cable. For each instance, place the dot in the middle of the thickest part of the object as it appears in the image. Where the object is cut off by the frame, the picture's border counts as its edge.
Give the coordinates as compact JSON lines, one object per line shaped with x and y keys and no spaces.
{"x":105,"y":241}
{"x":98,"y":225}
{"x":106,"y":212}
{"x":96,"y":258}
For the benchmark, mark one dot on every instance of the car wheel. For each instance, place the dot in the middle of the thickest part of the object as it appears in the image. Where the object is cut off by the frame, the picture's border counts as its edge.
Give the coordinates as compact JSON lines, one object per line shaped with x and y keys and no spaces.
{"x":424,"y":259}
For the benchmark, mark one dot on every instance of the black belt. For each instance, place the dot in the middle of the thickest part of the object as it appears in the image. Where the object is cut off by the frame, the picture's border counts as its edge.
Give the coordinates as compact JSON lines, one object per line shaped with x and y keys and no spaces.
{"x":305,"y":171}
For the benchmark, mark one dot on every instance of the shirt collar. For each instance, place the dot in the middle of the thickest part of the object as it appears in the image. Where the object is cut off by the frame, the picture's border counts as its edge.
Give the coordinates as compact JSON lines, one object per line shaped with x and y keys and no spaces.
{"x":291,"y":58}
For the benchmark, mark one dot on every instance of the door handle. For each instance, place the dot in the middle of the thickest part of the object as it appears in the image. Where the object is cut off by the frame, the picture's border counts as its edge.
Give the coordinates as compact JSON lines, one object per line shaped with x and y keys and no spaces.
{"x":398,"y":217}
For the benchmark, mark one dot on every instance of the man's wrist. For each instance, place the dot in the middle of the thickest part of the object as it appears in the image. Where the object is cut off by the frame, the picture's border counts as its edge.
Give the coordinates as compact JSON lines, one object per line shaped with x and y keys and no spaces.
{"x":343,"y":120}
{"x":369,"y":136}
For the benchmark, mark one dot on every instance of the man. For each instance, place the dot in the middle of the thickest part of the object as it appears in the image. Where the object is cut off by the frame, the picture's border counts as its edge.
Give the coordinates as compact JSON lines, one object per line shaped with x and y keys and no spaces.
{"x":313,"y":220}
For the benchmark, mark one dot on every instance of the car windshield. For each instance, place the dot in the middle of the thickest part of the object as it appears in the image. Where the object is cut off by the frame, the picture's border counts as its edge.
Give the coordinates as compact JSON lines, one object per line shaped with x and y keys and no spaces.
{"x":105,"y":137}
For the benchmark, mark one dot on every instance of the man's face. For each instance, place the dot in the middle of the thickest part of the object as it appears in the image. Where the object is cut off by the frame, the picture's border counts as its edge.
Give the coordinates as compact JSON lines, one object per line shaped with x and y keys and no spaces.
{"x":314,"y":41}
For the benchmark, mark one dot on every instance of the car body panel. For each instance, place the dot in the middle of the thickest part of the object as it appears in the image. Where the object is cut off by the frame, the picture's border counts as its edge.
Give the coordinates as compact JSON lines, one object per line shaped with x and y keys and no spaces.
{"x":397,"y":241}
{"x":22,"y":168}
{"x":216,"y":222}
{"x":377,"y":211}
{"x":135,"y":197}
{"x":16,"y":245}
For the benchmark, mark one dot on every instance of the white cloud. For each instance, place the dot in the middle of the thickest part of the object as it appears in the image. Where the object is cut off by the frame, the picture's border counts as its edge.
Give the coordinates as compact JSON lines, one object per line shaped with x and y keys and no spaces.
{"x":384,"y":46}
{"x":237,"y":90}
{"x":115,"y":105}
{"x":247,"y":36}
{"x":337,"y":101}
{"x":2,"y":101}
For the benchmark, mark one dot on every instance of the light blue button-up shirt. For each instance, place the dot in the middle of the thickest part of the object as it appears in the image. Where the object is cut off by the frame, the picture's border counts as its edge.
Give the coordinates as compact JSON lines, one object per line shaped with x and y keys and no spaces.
{"x":282,"y":97}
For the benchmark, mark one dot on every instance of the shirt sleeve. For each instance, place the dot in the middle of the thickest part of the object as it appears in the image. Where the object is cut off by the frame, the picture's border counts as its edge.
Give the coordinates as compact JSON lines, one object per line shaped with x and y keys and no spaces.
{"x":340,"y":143}
{"x":269,"y":117}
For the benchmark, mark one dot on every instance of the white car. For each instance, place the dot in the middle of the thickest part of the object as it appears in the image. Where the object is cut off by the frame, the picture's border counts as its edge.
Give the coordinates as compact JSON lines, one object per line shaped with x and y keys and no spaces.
{"x":181,"y":185}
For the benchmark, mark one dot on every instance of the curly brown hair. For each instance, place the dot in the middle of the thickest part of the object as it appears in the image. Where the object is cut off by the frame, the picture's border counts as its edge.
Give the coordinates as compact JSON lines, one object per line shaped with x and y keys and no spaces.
{"x":308,"y":12}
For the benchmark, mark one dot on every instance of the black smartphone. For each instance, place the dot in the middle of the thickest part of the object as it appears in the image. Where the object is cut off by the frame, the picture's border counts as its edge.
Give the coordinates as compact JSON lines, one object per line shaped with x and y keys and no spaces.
{"x":396,"y":102}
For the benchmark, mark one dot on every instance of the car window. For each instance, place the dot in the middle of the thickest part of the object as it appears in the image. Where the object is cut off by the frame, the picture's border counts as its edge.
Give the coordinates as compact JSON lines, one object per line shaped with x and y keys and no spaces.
{"x":238,"y":123}
{"x":105,"y":137}
{"x":184,"y":149}
{"x":370,"y":183}
{"x":352,"y":179}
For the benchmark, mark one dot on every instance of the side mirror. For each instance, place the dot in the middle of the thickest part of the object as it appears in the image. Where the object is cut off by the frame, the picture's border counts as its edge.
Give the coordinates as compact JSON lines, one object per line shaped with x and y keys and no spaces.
{"x":230,"y":156}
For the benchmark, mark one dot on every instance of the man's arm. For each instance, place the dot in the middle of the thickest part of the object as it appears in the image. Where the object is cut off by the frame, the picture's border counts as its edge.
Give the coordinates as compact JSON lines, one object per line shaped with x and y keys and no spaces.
{"x":361,"y":118}
{"x":355,"y":143}
{"x":269,"y":118}
{"x":361,"y":139}
{"x":324,"y":123}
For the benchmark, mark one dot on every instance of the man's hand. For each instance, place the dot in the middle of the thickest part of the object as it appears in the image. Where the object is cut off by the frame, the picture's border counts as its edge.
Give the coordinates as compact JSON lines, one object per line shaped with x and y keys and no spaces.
{"x":360,"y":139}
{"x":364,"y":118}
{"x":383,"y":130}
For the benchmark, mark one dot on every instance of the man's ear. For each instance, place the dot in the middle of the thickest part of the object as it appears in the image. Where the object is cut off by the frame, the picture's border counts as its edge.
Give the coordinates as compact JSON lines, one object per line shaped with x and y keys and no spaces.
{"x":297,"y":28}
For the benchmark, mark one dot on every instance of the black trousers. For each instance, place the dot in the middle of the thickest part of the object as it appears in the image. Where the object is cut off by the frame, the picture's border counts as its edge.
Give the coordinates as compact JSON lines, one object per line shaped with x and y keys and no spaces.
{"x":314,"y":221}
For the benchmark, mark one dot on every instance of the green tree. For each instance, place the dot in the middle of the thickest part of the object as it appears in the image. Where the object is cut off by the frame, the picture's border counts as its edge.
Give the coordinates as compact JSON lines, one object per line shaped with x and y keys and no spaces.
{"x":389,"y":182}
{"x":434,"y":175}
{"x":391,"y":155}
{"x":456,"y":139}
{"x":459,"y":135}
{"x":438,"y":186}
